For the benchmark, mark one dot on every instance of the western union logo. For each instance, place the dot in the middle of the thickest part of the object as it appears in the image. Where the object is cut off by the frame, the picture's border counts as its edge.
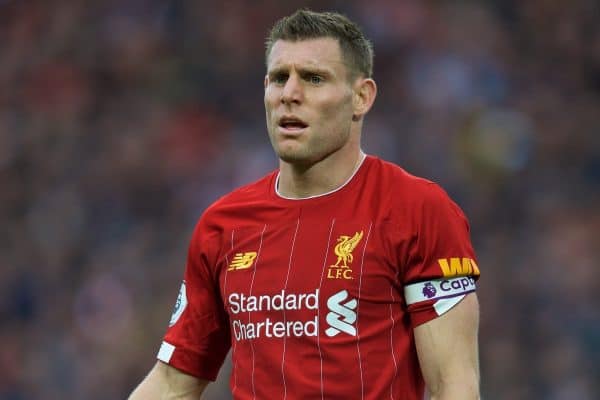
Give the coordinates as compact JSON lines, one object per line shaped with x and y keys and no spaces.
{"x":242,"y":261}
{"x":457,"y":266}
{"x":343,"y":250}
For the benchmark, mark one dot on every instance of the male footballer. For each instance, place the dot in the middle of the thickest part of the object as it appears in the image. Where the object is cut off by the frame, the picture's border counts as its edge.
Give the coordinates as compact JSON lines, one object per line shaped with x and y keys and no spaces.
{"x":337,"y":276}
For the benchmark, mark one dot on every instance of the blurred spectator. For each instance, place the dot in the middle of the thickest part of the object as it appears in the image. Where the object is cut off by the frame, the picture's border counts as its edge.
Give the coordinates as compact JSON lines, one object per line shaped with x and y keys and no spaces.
{"x":120,"y":121}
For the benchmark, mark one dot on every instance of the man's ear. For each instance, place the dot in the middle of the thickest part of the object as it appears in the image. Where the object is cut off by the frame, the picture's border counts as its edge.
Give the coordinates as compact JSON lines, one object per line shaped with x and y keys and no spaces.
{"x":266,"y":81}
{"x":363,"y":97}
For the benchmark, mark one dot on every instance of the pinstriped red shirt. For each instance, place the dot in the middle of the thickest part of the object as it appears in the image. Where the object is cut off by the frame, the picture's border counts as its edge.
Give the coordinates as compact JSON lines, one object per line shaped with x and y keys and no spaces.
{"x":318,"y":297}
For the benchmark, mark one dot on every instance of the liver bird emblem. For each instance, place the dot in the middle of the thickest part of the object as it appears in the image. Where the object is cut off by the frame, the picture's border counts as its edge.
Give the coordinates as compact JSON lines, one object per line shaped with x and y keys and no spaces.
{"x":345,"y":247}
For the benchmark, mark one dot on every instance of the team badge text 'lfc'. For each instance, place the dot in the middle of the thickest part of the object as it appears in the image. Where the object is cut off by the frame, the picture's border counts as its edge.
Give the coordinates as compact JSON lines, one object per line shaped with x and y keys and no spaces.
{"x":343,"y":250}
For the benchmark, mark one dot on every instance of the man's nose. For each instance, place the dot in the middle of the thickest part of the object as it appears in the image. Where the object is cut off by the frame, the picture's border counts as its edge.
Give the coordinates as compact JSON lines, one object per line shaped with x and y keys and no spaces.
{"x":292,"y":91}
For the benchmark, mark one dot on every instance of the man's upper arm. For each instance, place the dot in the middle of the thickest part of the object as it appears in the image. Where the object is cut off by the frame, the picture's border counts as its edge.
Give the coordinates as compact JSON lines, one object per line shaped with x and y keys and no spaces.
{"x":448,"y":351}
{"x":165,"y":382}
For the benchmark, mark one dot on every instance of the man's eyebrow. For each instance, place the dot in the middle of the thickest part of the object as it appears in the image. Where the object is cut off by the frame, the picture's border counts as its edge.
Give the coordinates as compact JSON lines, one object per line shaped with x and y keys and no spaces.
{"x":314,"y":69}
{"x":277,"y":70}
{"x":308,"y":69}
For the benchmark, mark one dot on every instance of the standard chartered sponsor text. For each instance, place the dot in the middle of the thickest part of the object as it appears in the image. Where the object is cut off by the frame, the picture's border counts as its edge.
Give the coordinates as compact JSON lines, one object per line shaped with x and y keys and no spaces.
{"x":244,"y":329}
{"x":270,"y":329}
{"x":280,"y":301}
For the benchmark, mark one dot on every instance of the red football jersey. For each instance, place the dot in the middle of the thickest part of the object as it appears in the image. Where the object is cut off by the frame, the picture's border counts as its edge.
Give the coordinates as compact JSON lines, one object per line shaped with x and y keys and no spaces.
{"x":318,"y":297}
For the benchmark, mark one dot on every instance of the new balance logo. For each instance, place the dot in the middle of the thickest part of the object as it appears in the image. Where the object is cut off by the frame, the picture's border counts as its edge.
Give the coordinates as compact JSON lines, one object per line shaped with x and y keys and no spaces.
{"x":341,"y":316}
{"x":242,"y":261}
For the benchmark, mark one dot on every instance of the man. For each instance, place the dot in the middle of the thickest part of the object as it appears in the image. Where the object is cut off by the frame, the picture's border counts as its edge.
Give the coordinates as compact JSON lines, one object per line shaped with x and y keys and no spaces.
{"x":338,"y":275}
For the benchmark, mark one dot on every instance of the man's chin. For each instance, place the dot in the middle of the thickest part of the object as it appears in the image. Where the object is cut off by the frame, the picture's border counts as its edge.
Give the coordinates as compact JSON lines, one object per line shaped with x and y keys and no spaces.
{"x":293,"y":157}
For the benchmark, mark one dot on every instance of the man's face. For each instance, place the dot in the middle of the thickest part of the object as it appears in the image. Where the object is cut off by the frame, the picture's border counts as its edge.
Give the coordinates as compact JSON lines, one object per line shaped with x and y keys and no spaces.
{"x":308,"y":100}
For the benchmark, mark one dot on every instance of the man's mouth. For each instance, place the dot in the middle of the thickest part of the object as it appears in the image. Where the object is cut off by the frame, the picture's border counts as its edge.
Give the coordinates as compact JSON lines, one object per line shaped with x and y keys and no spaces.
{"x":292,"y":123}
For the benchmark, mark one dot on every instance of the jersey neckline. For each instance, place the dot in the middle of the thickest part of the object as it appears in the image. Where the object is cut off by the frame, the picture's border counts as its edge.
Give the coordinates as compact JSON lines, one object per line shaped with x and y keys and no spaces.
{"x":274,"y":189}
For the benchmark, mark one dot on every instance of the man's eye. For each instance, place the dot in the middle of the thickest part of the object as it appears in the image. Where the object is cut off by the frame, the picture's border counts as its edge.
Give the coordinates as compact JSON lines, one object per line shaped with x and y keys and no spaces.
{"x":315,"y":79}
{"x":279,"y":79}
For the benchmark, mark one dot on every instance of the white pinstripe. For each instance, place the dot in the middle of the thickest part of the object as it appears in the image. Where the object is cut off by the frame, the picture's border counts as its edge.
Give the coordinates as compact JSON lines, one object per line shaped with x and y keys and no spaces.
{"x":234,"y":388}
{"x":392,"y":343}
{"x":284,"y":318}
{"x":227,"y":269}
{"x":362,"y":262}
{"x":249,"y":312}
{"x":319,"y":301}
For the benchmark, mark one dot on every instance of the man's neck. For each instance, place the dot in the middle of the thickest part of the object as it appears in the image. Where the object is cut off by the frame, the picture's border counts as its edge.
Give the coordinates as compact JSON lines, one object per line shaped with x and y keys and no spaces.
{"x":322,"y":177}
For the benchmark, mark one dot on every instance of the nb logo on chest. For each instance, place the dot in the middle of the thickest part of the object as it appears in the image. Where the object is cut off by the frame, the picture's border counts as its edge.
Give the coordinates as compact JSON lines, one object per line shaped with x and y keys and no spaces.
{"x":242,"y":261}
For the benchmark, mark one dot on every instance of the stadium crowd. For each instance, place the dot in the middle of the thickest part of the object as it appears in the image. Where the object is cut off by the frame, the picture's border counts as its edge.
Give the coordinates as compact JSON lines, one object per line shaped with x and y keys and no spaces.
{"x":120,"y":121}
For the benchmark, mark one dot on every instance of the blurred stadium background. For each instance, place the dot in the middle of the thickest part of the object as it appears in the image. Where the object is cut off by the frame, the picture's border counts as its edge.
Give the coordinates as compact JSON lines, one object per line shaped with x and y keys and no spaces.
{"x":121,"y":120}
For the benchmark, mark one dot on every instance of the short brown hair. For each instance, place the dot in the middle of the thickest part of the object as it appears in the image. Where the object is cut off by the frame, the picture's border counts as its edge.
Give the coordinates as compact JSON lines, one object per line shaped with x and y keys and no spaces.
{"x":305,"y":24}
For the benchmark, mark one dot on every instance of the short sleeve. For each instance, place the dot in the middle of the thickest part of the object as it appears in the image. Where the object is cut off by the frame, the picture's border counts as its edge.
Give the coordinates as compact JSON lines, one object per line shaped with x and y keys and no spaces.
{"x":441,"y":267}
{"x":198,"y":337}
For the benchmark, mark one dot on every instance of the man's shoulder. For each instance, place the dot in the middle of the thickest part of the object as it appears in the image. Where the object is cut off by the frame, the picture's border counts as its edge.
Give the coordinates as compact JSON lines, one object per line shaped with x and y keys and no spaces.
{"x":399,"y":181}
{"x":412,"y":196}
{"x":258,"y":190}
{"x":238,"y":201}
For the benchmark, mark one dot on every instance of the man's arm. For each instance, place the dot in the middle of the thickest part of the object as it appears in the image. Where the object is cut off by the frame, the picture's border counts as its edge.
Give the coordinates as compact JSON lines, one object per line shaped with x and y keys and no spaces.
{"x":167,"y":383}
{"x":448,"y":352}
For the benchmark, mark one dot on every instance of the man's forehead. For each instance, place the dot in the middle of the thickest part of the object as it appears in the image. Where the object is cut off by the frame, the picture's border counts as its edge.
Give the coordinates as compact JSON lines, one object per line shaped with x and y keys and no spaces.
{"x":309,"y":52}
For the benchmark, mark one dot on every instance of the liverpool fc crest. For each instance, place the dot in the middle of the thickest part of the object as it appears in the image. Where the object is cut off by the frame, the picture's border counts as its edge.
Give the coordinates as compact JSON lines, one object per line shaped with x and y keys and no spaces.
{"x":343,"y":250}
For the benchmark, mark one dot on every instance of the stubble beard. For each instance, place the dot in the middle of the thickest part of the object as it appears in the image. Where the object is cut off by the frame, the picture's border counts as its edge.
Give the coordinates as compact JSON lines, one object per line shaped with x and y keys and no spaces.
{"x":306,"y":154}
{"x":297,"y":154}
